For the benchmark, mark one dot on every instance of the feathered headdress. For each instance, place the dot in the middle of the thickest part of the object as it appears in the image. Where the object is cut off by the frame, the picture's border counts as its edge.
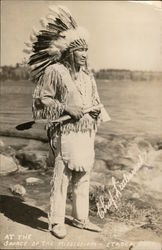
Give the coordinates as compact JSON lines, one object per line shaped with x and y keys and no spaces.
{"x":60,"y":33}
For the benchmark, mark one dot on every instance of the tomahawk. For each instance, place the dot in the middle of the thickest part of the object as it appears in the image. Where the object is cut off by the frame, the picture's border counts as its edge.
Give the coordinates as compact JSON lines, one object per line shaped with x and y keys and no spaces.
{"x":33,"y":123}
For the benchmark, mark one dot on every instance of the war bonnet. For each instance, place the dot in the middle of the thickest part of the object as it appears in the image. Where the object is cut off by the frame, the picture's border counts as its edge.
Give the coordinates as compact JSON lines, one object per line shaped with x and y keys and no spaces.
{"x":60,"y":33}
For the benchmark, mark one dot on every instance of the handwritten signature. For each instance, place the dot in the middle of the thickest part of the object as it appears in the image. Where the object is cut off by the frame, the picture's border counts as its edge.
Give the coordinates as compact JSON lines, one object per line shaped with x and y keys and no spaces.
{"x":118,"y":187}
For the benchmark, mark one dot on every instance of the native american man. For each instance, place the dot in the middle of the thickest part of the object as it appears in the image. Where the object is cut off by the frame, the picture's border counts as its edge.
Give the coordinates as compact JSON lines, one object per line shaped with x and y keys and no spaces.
{"x":65,"y":86}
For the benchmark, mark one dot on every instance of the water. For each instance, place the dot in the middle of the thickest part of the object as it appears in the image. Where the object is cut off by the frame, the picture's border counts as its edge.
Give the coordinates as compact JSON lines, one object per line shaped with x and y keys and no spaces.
{"x":134,"y":107}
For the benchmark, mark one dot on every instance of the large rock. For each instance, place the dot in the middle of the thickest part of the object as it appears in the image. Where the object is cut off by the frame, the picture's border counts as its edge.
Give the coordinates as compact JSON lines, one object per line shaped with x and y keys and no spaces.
{"x":7,"y":165}
{"x":34,"y":159}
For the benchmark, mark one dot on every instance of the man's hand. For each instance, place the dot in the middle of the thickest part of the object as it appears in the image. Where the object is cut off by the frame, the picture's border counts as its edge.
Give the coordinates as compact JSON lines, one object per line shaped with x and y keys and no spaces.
{"x":95,"y":113}
{"x":75,"y":112}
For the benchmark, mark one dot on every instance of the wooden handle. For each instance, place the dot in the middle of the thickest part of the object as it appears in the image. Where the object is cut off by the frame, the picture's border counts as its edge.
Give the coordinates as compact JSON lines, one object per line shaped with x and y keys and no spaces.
{"x":67,"y":117}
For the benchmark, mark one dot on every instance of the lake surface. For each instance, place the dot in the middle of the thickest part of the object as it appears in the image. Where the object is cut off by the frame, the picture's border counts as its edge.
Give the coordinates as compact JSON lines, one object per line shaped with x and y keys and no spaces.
{"x":134,"y":107}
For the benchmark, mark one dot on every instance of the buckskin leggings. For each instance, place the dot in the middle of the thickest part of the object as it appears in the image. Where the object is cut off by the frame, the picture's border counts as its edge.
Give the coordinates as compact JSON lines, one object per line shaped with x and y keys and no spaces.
{"x":80,"y":193}
{"x":62,"y":174}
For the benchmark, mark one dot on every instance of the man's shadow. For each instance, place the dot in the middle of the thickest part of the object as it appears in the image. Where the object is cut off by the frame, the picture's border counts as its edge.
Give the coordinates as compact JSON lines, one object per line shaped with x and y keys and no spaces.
{"x":14,"y":208}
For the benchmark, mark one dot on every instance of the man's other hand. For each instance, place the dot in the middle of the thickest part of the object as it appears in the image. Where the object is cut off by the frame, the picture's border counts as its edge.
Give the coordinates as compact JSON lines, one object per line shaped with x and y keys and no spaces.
{"x":95,"y":113}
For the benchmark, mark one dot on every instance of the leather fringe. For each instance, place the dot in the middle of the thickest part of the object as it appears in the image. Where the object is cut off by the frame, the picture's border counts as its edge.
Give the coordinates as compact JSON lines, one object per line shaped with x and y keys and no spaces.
{"x":51,"y":113}
{"x":82,"y":126}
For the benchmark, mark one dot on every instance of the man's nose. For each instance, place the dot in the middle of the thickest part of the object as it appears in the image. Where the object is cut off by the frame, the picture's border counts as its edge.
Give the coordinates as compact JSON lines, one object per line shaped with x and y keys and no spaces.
{"x":84,"y":55}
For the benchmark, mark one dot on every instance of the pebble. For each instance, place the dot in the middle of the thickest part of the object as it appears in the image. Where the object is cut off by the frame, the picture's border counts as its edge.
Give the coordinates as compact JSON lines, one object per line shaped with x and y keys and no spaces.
{"x":33,"y":180}
{"x":18,"y":190}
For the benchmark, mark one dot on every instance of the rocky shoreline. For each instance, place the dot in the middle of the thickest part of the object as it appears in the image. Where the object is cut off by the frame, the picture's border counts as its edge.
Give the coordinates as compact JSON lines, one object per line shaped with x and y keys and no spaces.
{"x":138,"y":203}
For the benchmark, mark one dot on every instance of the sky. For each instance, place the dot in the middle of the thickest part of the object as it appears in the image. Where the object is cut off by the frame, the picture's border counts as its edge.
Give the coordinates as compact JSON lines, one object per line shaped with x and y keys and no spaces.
{"x":123,"y":34}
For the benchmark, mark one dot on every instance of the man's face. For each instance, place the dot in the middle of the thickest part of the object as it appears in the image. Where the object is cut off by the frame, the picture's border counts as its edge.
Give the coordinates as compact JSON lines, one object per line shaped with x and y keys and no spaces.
{"x":80,"y":56}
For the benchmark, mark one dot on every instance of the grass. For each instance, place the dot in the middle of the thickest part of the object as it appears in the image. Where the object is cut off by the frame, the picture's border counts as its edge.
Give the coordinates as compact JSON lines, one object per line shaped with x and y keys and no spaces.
{"x":129,"y":211}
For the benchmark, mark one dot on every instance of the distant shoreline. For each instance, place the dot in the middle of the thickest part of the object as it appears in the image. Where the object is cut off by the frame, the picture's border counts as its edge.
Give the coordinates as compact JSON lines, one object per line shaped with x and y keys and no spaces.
{"x":21,"y":72}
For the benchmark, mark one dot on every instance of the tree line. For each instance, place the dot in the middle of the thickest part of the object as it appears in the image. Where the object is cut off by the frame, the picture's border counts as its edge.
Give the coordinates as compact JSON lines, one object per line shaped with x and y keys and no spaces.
{"x":122,"y":74}
{"x":18,"y":72}
{"x":22,"y":72}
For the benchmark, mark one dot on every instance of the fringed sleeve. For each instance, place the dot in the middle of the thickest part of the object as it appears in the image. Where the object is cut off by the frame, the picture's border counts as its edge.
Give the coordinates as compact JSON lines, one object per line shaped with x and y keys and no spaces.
{"x":47,"y":102}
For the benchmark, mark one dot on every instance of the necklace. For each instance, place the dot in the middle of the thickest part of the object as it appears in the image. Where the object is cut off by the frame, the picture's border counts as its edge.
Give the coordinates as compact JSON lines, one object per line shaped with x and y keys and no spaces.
{"x":80,"y":84}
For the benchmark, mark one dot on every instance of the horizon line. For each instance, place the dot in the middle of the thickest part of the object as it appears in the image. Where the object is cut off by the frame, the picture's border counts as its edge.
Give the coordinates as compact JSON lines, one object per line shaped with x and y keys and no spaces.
{"x":126,"y":69}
